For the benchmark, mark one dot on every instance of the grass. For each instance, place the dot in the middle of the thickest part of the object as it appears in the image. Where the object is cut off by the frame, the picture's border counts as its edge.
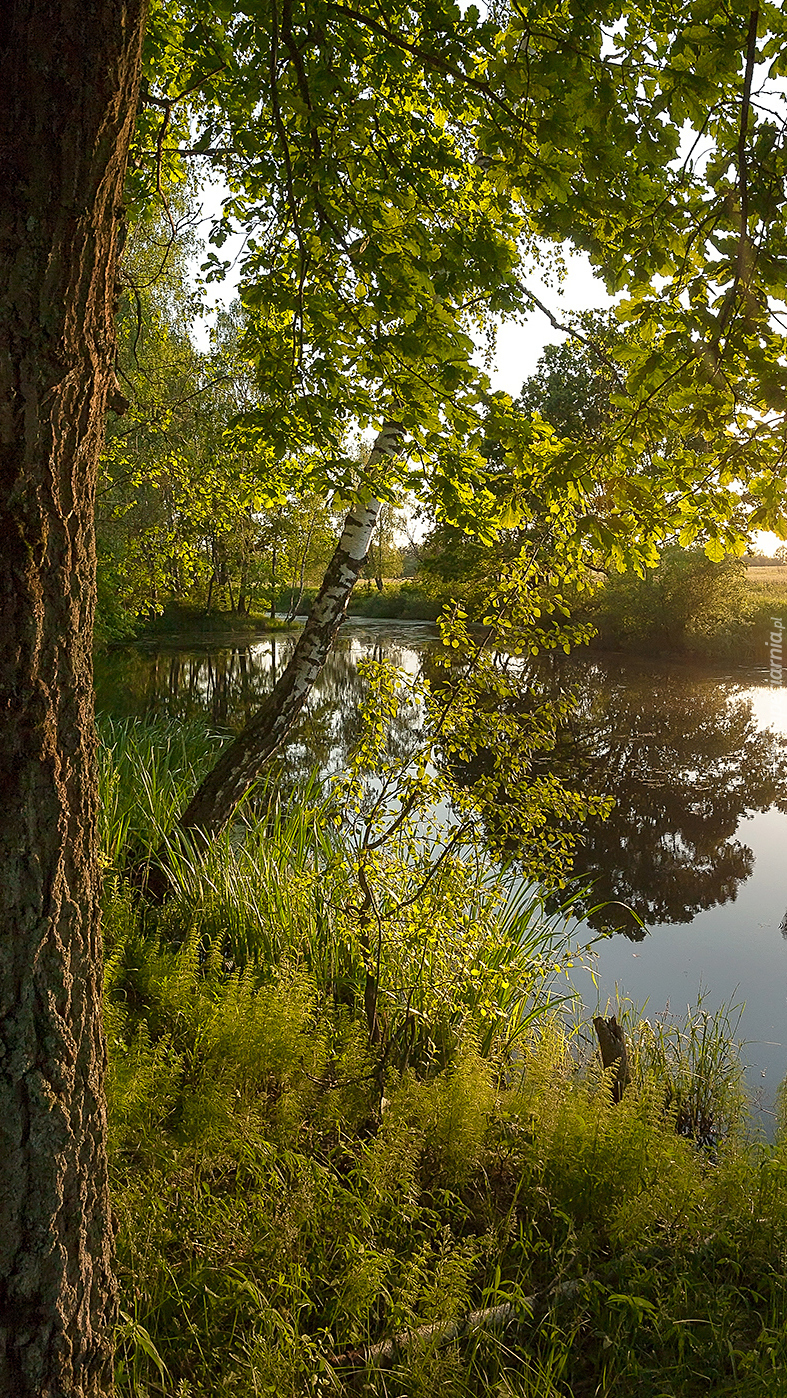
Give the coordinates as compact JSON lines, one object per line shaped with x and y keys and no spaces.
{"x":291,"y":1191}
{"x":188,"y":620}
{"x":768,"y":576}
{"x":768,"y":590}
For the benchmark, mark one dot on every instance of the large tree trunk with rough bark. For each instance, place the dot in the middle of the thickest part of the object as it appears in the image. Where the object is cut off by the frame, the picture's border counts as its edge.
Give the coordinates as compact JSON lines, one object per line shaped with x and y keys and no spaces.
{"x":241,"y":763}
{"x":69,"y":75}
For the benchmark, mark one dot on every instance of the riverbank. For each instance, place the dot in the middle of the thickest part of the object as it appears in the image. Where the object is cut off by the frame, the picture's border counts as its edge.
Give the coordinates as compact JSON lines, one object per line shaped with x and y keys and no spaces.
{"x":187,"y":623}
{"x":695,"y":610}
{"x":695,"y":619}
{"x":446,"y":1195}
{"x":717,"y":615}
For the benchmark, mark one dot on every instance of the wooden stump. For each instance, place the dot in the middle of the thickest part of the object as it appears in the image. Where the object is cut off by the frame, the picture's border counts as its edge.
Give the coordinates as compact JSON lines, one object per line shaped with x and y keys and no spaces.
{"x":614,"y":1053}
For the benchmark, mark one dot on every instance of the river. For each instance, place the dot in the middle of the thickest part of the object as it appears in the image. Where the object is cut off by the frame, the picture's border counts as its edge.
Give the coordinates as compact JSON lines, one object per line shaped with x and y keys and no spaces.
{"x":695,"y":757}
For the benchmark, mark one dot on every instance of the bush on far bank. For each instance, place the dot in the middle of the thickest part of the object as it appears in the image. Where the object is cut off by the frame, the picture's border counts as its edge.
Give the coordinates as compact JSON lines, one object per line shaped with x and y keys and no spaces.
{"x":689,"y":605}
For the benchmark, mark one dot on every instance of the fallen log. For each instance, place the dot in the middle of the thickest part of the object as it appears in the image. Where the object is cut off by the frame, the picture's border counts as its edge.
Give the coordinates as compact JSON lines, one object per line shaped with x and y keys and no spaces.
{"x":503,"y":1317}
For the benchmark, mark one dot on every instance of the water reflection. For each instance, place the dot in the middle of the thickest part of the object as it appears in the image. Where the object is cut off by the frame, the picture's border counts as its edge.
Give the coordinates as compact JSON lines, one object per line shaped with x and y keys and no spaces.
{"x":686,"y":761}
{"x":680,"y":751}
{"x":222,"y":686}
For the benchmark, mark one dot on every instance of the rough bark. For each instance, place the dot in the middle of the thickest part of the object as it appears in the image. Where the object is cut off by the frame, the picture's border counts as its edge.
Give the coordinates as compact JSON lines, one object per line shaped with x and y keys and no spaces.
{"x":69,"y":75}
{"x":241,"y":763}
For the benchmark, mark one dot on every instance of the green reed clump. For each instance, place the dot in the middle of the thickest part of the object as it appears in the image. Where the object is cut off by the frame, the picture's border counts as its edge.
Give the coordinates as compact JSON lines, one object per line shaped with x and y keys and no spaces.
{"x":148,"y":769}
{"x":695,"y":1065}
{"x":292,"y":1190}
{"x":281,"y":886}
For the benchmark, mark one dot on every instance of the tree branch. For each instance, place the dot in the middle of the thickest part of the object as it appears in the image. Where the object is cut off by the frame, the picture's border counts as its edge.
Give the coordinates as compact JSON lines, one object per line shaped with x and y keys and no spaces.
{"x":432,"y":59}
{"x":743,"y":258}
{"x":574,"y":334}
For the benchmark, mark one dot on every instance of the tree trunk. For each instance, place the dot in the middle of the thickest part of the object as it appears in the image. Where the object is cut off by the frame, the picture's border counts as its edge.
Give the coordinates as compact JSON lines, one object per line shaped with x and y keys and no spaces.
{"x":295,"y":602}
{"x":614,"y":1054}
{"x":243,"y":588}
{"x":210,"y":592}
{"x":274,"y":560}
{"x":240,"y":763}
{"x":221,"y":584}
{"x":69,"y":78}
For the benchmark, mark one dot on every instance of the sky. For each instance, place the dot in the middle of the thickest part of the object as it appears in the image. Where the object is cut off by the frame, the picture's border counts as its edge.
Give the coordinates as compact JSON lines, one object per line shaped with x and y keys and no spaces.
{"x":520,"y":345}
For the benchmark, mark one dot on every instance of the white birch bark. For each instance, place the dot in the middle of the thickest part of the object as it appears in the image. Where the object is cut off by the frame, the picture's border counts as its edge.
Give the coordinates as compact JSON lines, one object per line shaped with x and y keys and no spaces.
{"x":241,"y":763}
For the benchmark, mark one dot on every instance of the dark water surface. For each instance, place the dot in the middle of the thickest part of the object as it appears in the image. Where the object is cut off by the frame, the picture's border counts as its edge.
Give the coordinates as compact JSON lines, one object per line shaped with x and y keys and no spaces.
{"x":696,"y":843}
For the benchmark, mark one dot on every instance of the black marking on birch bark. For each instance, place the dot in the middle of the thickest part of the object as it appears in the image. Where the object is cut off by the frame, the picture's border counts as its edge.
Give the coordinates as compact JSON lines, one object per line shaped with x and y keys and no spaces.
{"x":242,"y":761}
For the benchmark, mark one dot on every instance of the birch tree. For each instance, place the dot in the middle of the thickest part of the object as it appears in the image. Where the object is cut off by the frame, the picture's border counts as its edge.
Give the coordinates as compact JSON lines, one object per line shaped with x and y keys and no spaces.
{"x":404,"y":173}
{"x":241,"y":762}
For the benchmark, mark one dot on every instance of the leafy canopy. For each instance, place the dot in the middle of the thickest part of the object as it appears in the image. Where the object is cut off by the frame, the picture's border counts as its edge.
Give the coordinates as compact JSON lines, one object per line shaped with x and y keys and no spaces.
{"x":397,"y":173}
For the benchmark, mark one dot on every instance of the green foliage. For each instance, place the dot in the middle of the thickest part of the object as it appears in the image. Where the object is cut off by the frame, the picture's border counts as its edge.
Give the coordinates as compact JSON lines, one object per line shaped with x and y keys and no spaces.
{"x":289,"y":1191}
{"x":686,"y":603}
{"x":145,"y":773}
{"x":325,"y":1129}
{"x":574,"y":382}
{"x":406,"y":601}
{"x":395,"y":178}
{"x":275,"y":1213}
{"x":150,"y":500}
{"x":181,"y":514}
{"x":286,"y":890}
{"x":696,"y":1066}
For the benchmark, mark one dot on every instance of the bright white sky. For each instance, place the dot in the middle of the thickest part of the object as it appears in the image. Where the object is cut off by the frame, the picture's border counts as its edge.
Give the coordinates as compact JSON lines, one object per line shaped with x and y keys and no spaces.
{"x":520,"y":346}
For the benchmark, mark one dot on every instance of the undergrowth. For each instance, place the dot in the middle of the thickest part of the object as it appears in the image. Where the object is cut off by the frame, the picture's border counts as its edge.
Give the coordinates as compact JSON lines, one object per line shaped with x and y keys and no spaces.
{"x":305,"y":1206}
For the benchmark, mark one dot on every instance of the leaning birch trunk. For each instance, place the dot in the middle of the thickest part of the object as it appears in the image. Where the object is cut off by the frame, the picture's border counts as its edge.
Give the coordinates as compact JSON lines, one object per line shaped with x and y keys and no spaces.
{"x":440,"y":1332}
{"x":241,"y":763}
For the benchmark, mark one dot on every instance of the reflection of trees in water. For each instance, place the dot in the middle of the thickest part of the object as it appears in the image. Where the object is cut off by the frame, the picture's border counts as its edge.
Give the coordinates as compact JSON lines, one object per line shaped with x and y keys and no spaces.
{"x":686,"y":762}
{"x":682,"y":756}
{"x":340,"y":691}
{"x":222,"y":686}
{"x":226,"y":686}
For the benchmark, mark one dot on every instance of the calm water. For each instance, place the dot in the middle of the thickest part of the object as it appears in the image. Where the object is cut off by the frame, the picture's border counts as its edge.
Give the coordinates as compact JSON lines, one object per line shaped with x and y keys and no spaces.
{"x":696,"y":844}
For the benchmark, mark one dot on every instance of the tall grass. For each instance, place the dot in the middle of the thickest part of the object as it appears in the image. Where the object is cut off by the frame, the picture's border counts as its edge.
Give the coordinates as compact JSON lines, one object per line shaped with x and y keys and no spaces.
{"x":291,"y":1190}
{"x":280,"y":887}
